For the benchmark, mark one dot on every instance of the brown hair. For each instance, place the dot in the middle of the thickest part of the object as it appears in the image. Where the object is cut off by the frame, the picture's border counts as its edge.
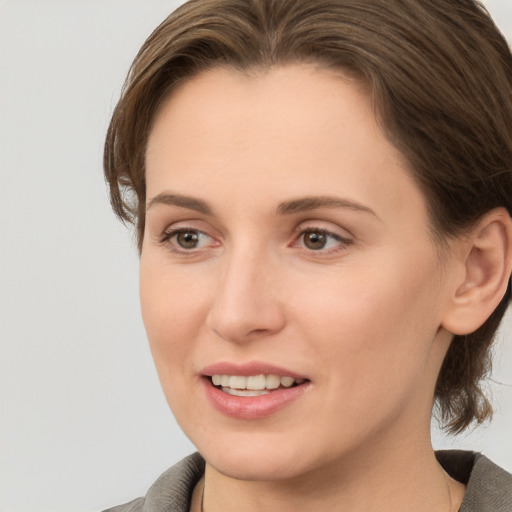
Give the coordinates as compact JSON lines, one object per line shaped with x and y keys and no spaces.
{"x":440,"y":74}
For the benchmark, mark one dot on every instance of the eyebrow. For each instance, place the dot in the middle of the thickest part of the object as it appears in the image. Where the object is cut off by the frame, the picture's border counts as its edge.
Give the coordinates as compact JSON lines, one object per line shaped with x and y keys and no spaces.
{"x":191,"y":203}
{"x":285,"y":208}
{"x":313,"y":202}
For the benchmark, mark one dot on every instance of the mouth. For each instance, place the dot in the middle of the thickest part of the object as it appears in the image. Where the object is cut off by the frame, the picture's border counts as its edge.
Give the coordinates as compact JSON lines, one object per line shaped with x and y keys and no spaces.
{"x":252,"y":391}
{"x":253,"y":385}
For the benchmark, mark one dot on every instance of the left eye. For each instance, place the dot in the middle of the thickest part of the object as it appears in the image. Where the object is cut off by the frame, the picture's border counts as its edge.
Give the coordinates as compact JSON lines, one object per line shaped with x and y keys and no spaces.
{"x":319,"y":239}
{"x":188,"y":239}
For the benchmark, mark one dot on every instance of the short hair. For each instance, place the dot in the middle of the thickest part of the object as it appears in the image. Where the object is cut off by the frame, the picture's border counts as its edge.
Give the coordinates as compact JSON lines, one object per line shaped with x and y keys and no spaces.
{"x":439,"y":72}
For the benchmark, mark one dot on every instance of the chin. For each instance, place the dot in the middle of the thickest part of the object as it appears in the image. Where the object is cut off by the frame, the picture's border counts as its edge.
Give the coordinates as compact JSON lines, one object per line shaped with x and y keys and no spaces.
{"x":254,"y":465}
{"x":261,"y":457}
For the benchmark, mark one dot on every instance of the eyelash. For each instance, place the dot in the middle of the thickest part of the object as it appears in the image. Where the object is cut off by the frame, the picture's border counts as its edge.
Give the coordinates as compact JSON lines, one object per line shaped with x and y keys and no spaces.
{"x":341,"y":242}
{"x":170,"y":234}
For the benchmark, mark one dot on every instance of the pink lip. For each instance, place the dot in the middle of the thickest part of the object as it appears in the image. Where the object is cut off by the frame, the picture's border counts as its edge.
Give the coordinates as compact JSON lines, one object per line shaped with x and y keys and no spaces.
{"x":253,"y":407}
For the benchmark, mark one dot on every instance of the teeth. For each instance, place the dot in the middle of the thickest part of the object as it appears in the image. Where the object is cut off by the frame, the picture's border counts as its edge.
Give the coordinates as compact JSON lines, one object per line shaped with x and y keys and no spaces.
{"x":272,"y":382}
{"x":236,"y":382}
{"x":233,"y":384}
{"x":287,"y":381}
{"x":245,"y":392}
{"x":256,"y":382}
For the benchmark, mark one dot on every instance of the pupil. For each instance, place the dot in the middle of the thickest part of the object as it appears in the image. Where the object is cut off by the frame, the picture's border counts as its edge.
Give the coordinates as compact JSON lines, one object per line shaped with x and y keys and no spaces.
{"x":315,"y":240}
{"x":188,"y":239}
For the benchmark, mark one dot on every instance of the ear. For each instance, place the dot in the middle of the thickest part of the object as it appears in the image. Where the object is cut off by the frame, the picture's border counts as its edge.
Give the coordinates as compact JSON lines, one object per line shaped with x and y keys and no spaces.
{"x":486,"y":259}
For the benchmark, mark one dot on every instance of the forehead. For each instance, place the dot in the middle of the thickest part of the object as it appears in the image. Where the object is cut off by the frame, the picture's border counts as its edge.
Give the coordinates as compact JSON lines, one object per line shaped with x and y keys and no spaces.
{"x":277,"y":132}
{"x":270,"y":101}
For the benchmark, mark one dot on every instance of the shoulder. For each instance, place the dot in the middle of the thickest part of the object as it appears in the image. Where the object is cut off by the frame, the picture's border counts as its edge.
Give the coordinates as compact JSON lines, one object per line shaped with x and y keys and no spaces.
{"x":134,"y":506}
{"x":172,"y":490}
{"x":489,"y":487}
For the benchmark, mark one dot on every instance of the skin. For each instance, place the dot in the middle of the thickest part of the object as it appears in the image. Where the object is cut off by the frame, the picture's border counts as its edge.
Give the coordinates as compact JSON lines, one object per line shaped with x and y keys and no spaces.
{"x":361,"y":318}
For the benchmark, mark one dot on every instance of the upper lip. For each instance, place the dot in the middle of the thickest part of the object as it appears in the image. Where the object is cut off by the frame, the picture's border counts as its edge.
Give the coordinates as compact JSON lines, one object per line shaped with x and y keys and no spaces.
{"x":248,"y":369}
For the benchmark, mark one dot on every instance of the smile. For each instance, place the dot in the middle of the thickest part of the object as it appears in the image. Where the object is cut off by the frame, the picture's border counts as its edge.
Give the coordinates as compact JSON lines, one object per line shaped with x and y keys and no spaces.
{"x":252,"y":391}
{"x":253,"y":385}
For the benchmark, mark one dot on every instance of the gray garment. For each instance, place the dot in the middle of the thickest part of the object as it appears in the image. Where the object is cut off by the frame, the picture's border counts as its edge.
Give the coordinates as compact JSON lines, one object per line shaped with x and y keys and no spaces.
{"x":489,"y":488}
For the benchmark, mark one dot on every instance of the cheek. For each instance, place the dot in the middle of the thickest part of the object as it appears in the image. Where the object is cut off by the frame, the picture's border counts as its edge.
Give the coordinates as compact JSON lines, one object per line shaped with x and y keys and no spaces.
{"x":172,"y":317}
{"x":374,"y":328}
{"x":173,"y":306}
{"x":370,"y":355}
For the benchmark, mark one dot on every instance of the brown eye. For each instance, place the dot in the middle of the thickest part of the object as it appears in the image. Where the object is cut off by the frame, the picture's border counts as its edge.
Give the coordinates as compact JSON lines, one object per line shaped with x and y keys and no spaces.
{"x":315,"y":240}
{"x":322,"y":241}
{"x":187,"y":239}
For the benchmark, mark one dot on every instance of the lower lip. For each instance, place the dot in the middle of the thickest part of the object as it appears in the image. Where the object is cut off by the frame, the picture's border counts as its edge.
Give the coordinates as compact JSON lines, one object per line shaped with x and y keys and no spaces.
{"x":252,"y":407}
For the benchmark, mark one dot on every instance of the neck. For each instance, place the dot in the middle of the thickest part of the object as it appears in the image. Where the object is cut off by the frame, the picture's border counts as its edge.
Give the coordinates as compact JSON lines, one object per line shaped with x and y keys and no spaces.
{"x":398,"y":480}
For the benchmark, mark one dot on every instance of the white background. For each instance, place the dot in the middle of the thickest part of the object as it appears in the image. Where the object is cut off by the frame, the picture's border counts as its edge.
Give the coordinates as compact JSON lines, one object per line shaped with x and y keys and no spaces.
{"x":83,"y":422}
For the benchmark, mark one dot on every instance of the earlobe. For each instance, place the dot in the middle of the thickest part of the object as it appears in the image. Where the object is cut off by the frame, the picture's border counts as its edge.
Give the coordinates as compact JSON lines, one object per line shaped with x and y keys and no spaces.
{"x":487,"y":261}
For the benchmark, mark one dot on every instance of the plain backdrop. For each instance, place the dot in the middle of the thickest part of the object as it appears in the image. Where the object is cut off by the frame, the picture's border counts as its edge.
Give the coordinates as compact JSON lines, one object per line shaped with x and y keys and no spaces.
{"x":83,"y":422}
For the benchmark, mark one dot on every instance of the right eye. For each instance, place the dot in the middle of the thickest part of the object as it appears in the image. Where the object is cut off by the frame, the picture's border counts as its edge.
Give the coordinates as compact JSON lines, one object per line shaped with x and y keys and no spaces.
{"x":186,"y":239}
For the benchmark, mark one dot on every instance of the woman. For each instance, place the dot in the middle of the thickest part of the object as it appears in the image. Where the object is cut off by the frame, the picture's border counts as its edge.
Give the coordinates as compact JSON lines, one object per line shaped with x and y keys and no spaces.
{"x":321,"y":192}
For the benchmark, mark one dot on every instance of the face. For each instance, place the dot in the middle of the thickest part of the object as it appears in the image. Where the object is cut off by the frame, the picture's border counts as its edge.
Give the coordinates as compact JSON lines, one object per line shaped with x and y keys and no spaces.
{"x":287,"y":251}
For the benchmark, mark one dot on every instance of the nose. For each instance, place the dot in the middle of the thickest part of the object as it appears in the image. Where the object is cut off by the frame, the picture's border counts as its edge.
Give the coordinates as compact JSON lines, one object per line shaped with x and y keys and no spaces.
{"x":246,"y":305}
